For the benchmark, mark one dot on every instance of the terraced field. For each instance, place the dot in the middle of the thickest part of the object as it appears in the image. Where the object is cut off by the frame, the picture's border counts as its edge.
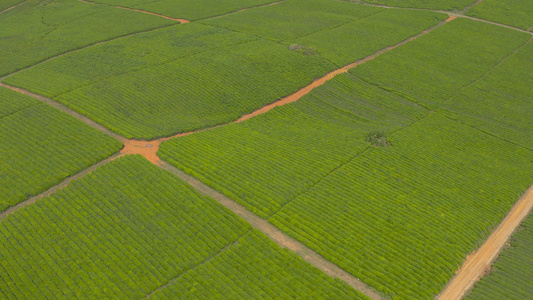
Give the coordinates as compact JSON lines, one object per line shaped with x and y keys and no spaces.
{"x":294,"y":149}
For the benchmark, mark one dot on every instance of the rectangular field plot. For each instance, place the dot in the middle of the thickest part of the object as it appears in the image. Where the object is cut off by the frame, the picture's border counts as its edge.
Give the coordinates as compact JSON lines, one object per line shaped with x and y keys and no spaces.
{"x":189,"y":9}
{"x":511,"y":276}
{"x":207,"y":89}
{"x":402,"y":218}
{"x":356,"y":40}
{"x":294,"y":18}
{"x":38,"y":30}
{"x":267,"y":161}
{"x":501,"y":102}
{"x":517,"y":13}
{"x":434,"y":67}
{"x":40,"y":146}
{"x":452,"y":5}
{"x":128,"y":229}
{"x":125,"y":55}
{"x":256,"y":268}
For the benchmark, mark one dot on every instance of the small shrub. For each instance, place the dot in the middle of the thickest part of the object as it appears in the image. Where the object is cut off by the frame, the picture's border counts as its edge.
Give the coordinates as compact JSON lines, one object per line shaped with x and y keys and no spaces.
{"x":303,"y":49}
{"x":378,"y":139}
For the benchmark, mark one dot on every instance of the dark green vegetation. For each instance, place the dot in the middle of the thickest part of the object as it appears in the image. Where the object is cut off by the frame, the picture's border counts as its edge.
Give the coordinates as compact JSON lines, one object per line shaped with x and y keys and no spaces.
{"x":451,"y":5}
{"x":517,"y":13}
{"x":402,"y":218}
{"x":267,"y":161}
{"x":188,"y":9}
{"x":5,"y":4}
{"x":511,"y":276}
{"x":256,"y":268}
{"x":129,"y":228}
{"x":37,"y":29}
{"x":501,"y":102}
{"x":148,"y":79}
{"x":435,"y":67}
{"x":40,"y":146}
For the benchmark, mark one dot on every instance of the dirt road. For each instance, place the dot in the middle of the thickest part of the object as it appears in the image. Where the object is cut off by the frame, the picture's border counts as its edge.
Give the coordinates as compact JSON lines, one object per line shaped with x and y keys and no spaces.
{"x":478,"y":264}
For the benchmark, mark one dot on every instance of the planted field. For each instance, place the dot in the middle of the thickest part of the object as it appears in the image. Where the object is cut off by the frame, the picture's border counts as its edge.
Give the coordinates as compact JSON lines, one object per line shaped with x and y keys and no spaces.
{"x":188,"y":9}
{"x":129,"y":228}
{"x":126,"y":55}
{"x":37,"y":30}
{"x":436,"y":66}
{"x":294,"y":18}
{"x":265,"y":162}
{"x":5,"y":4}
{"x":500,"y":103}
{"x":402,"y":218}
{"x":517,"y":13}
{"x":511,"y":276}
{"x":256,"y":268}
{"x":40,"y":146}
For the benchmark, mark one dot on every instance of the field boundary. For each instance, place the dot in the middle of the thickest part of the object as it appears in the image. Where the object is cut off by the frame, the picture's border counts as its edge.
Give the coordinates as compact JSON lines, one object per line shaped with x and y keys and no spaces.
{"x":13,"y":6}
{"x":274,"y":233}
{"x":57,"y":187}
{"x":182,"y":21}
{"x":477,"y":264}
{"x":242,"y":9}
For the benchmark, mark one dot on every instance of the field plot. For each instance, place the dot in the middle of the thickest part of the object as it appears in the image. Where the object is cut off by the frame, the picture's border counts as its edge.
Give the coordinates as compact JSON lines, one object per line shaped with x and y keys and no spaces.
{"x":188,"y":9}
{"x":40,"y":146}
{"x":37,"y":30}
{"x":128,"y":229}
{"x":204,"y":90}
{"x":125,"y":55}
{"x":435,"y":67}
{"x":517,"y":13}
{"x":452,"y":5}
{"x":256,"y":268}
{"x":267,"y":161}
{"x":511,"y":276}
{"x":402,"y":218}
{"x":294,"y":18}
{"x":5,"y":4}
{"x":501,"y":103}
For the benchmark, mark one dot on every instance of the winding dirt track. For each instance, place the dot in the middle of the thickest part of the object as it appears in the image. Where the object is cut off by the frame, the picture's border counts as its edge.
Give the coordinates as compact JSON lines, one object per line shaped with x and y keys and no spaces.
{"x":478,"y":264}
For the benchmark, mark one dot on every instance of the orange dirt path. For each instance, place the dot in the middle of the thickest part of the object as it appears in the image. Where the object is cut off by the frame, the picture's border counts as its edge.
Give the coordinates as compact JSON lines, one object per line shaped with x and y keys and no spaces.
{"x":138,"y":10}
{"x":148,"y":149}
{"x":478,"y":263}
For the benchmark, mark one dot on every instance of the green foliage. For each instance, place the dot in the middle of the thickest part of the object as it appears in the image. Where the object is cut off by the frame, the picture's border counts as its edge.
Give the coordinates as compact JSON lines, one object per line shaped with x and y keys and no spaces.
{"x":40,"y":146}
{"x":434,"y":67}
{"x":294,"y":18}
{"x":355,"y":40}
{"x":403,"y":218}
{"x":378,"y":139}
{"x":204,"y":90}
{"x":189,"y":9}
{"x":120,"y":232}
{"x":38,"y":30}
{"x":511,"y":276}
{"x":452,"y":5}
{"x":256,"y":268}
{"x":267,"y":161}
{"x":501,"y":102}
{"x":5,"y":4}
{"x":302,"y":49}
{"x":517,"y":13}
{"x":126,"y":55}
{"x":12,"y":102}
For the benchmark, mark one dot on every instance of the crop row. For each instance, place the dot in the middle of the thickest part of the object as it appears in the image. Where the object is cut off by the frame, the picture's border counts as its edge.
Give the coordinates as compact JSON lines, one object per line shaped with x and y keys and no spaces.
{"x":265,"y":162}
{"x":434,"y":67}
{"x":121,"y":231}
{"x":256,"y":268}
{"x":40,"y":146}
{"x":511,"y":276}
{"x":35,"y":31}
{"x":402,"y":218}
{"x":452,"y":5}
{"x":516,"y":13}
